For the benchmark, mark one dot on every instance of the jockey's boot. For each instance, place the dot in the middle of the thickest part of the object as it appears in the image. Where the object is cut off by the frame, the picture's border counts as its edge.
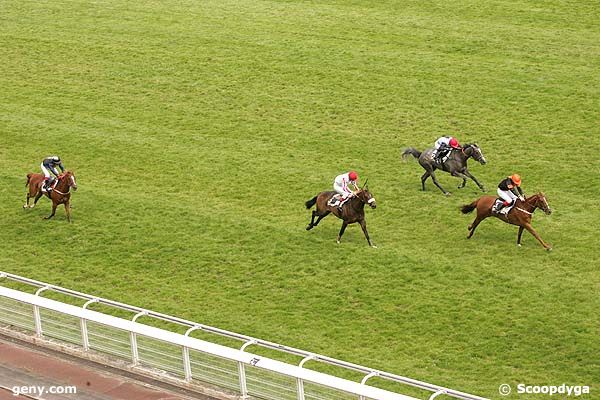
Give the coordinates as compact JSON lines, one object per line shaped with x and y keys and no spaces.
{"x":497,"y":207}
{"x":49,"y":183}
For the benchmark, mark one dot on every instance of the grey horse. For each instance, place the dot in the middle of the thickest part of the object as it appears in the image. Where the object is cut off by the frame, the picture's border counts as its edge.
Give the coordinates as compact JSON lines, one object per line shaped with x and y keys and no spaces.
{"x":455,"y":164}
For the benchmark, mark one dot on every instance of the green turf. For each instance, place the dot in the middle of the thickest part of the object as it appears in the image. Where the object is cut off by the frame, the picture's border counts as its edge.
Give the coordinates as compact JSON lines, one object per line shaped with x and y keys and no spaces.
{"x":197,"y":130}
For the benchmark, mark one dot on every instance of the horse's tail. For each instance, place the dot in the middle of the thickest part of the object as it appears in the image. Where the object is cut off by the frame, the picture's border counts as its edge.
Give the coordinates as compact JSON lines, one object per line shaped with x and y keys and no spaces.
{"x":311,"y":202}
{"x":28,"y":178}
{"x":411,"y":151}
{"x":467,"y":208}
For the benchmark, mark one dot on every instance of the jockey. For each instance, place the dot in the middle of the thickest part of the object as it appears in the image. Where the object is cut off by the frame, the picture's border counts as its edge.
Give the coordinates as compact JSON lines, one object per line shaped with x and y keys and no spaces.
{"x":443,"y":145}
{"x":509,"y":190}
{"x":49,"y":165}
{"x":340,"y":185}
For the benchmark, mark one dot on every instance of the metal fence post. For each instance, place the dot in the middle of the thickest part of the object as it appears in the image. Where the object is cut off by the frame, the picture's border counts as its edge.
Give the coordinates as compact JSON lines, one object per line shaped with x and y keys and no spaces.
{"x":36,"y":314}
{"x":82,"y":322}
{"x":364,"y":380}
{"x":134,"y":348}
{"x":299,"y":381}
{"x":242,"y":371}
{"x":187,"y":366}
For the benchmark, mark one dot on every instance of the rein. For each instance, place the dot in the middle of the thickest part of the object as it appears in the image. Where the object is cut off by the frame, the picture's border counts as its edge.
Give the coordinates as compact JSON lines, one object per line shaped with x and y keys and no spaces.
{"x":525,"y":211}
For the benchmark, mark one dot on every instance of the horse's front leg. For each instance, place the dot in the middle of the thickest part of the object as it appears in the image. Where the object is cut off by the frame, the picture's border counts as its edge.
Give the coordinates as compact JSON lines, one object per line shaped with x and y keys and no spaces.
{"x":68,"y":210}
{"x":363,"y":225}
{"x":344,"y":225}
{"x":535,"y":234}
{"x":519,"y":236}
{"x":467,"y":173}
{"x":26,"y":205}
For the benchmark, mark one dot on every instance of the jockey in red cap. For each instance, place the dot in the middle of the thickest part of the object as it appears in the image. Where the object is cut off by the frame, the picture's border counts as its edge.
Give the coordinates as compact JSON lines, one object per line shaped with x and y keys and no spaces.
{"x":341,"y":186}
{"x":443,"y":146}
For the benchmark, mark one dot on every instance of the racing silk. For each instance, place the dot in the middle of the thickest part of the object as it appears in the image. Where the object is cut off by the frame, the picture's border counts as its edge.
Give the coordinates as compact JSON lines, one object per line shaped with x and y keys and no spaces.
{"x":340,"y":184}
{"x":444,"y":140}
{"x":50,"y":164}
{"x":507,"y":185}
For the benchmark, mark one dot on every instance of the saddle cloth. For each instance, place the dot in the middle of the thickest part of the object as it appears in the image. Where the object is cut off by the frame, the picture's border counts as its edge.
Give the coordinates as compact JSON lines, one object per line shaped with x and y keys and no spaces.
{"x":442,"y":160}
{"x":504,"y":210}
{"x":335,"y":199}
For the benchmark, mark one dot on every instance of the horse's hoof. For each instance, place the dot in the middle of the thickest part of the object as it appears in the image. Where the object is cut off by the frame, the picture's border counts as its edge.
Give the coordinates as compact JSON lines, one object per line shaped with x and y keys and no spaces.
{"x":447,"y":194}
{"x":25,"y":206}
{"x":518,"y":244}
{"x":308,"y":227}
{"x":373,"y":246}
{"x":548,"y":248}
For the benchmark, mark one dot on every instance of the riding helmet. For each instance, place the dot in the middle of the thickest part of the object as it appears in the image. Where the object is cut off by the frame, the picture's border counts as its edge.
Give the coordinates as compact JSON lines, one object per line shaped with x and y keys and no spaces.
{"x":516,"y":178}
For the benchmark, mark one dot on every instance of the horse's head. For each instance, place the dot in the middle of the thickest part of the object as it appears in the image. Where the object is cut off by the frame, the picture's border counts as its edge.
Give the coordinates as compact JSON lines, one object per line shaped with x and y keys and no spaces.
{"x":69,"y":178}
{"x":539,"y":200}
{"x":366,"y":197}
{"x":473,"y":150}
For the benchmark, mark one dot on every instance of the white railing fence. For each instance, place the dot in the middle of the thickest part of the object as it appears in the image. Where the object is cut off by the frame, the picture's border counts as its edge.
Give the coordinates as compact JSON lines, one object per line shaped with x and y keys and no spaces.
{"x":188,"y":359}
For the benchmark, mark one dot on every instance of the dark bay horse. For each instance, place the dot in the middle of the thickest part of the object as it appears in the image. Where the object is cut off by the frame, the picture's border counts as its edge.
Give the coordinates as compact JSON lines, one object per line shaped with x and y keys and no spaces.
{"x":59,"y":195}
{"x":456,"y":164}
{"x":352,"y":211}
{"x":520,"y":214}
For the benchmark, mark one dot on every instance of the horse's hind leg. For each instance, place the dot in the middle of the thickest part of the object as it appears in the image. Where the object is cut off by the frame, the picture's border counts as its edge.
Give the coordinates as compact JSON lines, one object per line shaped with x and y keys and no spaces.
{"x":312,"y":221}
{"x":424,"y":178}
{"x":434,"y":179}
{"x":321,"y":217}
{"x":37,"y":197}
{"x":344,"y":225}
{"x":474,"y":225}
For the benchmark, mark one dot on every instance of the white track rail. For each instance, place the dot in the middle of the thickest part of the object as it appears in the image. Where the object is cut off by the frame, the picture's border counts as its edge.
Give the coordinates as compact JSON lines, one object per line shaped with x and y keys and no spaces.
{"x":186,"y":358}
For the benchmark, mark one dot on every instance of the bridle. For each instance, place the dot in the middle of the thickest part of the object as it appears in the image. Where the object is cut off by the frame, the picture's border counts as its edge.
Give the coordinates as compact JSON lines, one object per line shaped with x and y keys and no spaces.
{"x":476,"y":152}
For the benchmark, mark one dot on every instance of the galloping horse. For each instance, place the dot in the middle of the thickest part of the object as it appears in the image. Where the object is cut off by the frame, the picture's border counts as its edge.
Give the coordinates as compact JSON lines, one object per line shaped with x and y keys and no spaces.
{"x":456,"y":164}
{"x":352,"y":211}
{"x":520,"y":214}
{"x":59,"y":195}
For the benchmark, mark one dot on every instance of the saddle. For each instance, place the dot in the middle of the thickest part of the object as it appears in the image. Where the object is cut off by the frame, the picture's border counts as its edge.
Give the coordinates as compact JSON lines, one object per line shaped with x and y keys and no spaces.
{"x":45,"y":183}
{"x":335,"y":200}
{"x":435,"y":155}
{"x":505,"y":209}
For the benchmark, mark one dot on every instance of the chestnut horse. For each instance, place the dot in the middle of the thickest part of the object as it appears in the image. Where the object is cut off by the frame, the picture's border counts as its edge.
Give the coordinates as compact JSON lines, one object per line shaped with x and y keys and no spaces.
{"x":59,"y":195}
{"x":352,"y":211}
{"x":520,"y":214}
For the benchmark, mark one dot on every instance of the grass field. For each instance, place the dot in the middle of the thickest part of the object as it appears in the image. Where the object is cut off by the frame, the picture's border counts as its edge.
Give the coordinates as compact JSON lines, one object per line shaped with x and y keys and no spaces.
{"x":197,"y":130}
